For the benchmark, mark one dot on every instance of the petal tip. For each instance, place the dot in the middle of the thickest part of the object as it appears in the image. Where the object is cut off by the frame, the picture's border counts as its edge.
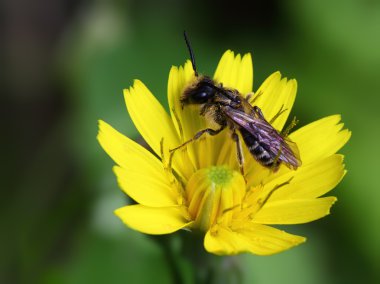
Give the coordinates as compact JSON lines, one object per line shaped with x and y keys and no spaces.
{"x":117,"y":211}
{"x":294,"y":82}
{"x":137,"y":82}
{"x":102,"y":128}
{"x":349,"y":133}
{"x":247,"y":56}
{"x":333,"y":200}
{"x":173,"y":70}
{"x":126,"y":91}
{"x":101,"y":123}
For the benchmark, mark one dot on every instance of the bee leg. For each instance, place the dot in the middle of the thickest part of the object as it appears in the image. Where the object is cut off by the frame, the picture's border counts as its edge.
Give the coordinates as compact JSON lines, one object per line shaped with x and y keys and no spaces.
{"x":262,"y":202}
{"x":258,"y":111}
{"x":249,"y":97}
{"x":276,"y":162}
{"x":210,"y":131}
{"x":281,"y":111}
{"x":286,"y":131}
{"x":167,"y":163}
{"x":204,"y":108}
{"x":239,"y":152}
{"x":178,"y":122}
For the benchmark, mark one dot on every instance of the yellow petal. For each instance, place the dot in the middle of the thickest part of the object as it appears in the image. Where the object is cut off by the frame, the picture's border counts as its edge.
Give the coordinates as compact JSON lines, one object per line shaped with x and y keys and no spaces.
{"x":179,"y":79}
{"x":310,"y":181}
{"x":221,"y":241}
{"x":295,"y":211}
{"x":320,"y":139}
{"x":255,"y":238}
{"x":222,"y":72}
{"x":153,"y":220}
{"x":276,"y":94}
{"x":146,"y":187}
{"x":235,"y":72}
{"x":141,"y":175}
{"x":149,"y":117}
{"x":245,"y":79}
{"x":187,"y":120}
{"x":126,"y":152}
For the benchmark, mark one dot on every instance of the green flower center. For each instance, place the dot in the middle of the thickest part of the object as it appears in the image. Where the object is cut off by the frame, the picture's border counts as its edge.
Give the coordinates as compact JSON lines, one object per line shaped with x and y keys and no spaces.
{"x":221,"y":175}
{"x":212,"y":193}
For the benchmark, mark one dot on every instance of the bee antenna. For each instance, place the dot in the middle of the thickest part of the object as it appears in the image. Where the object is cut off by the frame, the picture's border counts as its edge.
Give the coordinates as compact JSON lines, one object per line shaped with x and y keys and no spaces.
{"x":191,"y":53}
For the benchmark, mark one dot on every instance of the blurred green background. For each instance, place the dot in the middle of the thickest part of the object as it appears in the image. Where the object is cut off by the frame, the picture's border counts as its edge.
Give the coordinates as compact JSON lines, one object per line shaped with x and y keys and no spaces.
{"x":65,"y":64}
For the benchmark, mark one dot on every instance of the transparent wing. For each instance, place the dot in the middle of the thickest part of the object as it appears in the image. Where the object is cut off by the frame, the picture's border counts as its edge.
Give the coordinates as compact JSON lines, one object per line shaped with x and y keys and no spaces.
{"x":278,"y":147}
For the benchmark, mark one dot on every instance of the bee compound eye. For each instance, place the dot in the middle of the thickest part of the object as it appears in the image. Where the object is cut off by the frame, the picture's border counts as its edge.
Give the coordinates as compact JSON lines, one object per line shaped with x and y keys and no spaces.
{"x":202,"y":94}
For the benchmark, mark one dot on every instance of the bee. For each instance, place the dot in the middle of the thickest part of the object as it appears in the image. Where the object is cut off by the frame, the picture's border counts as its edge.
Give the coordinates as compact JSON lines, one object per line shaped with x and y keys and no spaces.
{"x":228,"y":108}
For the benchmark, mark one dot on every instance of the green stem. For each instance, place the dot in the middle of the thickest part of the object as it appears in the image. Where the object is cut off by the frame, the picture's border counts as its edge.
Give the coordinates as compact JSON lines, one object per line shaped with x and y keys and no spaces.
{"x":206,"y":268}
{"x":209,"y":268}
{"x":165,"y":243}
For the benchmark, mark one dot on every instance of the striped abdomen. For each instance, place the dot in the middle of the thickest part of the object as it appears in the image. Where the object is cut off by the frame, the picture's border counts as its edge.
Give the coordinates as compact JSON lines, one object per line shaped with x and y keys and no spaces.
{"x":256,"y":149}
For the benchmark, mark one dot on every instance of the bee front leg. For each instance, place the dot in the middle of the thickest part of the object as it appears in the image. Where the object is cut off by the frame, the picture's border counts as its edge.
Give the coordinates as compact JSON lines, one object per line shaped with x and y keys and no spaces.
{"x":239,"y":151}
{"x":210,"y":131}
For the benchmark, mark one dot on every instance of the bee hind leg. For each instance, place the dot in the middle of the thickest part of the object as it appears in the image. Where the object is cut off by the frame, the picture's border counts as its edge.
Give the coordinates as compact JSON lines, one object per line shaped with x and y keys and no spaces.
{"x":239,"y":152}
{"x":292,"y":124}
{"x":281,"y":111}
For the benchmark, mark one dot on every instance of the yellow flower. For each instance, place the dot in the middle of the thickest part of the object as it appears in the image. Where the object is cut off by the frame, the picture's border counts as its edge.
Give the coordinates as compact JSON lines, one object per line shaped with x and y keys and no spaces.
{"x":204,"y":189}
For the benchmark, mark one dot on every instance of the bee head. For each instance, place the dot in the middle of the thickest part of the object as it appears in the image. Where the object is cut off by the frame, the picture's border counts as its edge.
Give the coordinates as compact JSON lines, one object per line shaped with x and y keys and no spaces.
{"x":200,"y":93}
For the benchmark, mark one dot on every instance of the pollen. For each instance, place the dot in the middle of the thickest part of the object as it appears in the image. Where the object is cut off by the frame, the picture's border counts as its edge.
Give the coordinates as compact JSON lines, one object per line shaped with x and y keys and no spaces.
{"x":213,"y":194}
